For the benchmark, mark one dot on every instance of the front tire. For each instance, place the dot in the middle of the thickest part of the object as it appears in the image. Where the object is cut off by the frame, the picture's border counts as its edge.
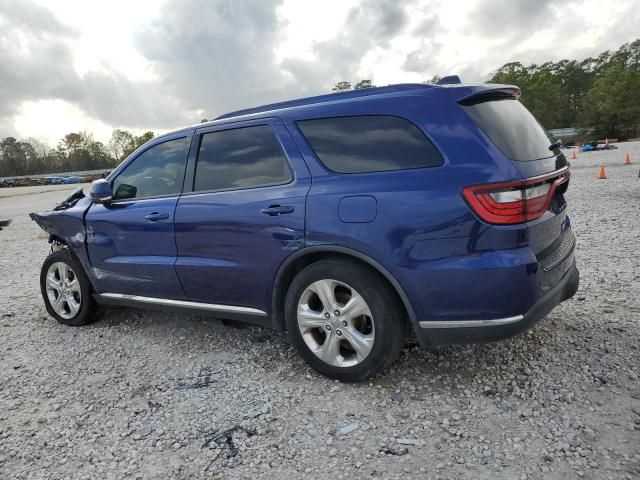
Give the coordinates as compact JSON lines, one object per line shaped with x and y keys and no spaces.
{"x":66,"y":290}
{"x":344,"y":319}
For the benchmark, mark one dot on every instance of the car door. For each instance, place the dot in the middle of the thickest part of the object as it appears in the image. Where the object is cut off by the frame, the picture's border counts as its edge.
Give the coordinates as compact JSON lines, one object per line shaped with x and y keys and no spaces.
{"x":241,"y":214}
{"x":131,"y":241}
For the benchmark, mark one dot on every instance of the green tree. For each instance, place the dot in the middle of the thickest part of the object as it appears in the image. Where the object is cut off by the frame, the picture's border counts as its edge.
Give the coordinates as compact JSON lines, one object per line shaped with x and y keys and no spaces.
{"x":142,"y":139}
{"x":99,"y":155}
{"x":14,"y":161}
{"x":120,"y":143}
{"x":43,"y":158}
{"x":345,"y":86}
{"x":70,"y":143}
{"x":124,"y":143}
{"x":596,"y":93}
{"x":612,"y":106}
{"x":341,"y":86}
{"x":75,"y":151}
{"x":363,"y":84}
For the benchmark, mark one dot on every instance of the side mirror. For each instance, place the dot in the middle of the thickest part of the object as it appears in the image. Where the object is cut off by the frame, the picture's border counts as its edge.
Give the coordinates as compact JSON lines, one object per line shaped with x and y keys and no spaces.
{"x":100,"y":191}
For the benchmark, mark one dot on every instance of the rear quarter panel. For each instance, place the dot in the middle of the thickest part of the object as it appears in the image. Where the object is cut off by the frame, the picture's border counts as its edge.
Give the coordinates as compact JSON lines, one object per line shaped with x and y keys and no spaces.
{"x":423,"y":231}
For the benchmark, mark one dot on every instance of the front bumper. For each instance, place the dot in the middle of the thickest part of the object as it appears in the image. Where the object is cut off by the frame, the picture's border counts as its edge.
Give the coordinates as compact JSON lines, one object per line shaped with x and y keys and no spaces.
{"x":432,"y":333}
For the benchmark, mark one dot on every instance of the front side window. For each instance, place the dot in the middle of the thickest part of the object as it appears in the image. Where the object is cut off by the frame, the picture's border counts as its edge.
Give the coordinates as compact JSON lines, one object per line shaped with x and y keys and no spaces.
{"x":240,"y":158}
{"x":369,"y":143}
{"x":158,"y":171}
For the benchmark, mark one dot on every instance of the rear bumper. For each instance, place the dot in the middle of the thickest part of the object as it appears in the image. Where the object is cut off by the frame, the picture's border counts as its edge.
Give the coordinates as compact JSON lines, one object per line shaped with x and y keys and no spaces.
{"x":432,"y":333}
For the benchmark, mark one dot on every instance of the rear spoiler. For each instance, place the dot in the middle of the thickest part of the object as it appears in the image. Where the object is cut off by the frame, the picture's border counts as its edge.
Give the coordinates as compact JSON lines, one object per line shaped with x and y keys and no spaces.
{"x":486,"y":92}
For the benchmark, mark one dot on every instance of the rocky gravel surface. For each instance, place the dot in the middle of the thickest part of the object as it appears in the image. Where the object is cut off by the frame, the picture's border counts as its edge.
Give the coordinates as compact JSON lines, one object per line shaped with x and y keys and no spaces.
{"x":151,"y":395}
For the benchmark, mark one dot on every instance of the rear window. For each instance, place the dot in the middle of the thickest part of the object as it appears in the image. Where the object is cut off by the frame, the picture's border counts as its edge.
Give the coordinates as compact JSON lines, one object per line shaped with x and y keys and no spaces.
{"x":512,"y":128}
{"x":369,"y":143}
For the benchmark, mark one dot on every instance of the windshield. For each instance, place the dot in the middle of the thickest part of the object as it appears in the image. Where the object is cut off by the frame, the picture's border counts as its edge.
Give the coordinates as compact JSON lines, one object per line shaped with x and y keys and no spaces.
{"x":512,"y":128}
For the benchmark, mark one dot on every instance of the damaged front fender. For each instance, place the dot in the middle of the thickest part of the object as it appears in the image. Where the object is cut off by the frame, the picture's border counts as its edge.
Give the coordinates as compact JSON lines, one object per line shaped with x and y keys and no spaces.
{"x":65,"y":225}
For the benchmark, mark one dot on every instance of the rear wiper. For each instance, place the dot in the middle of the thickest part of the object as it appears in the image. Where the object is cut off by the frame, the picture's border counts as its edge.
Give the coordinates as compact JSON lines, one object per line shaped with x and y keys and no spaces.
{"x":554,"y":145}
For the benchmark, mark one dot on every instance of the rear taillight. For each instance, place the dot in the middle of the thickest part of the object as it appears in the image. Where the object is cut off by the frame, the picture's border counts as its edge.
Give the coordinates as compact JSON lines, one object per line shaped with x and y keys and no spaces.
{"x":515,"y":202}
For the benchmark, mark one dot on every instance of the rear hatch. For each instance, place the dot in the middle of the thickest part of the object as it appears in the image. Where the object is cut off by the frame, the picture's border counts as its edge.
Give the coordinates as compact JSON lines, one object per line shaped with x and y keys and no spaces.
{"x":544,"y":169}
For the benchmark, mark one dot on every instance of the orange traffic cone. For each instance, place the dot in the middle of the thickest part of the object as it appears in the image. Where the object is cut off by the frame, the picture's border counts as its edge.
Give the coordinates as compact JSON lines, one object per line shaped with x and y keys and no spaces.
{"x":627,"y":159}
{"x":603,"y":174}
{"x":606,"y":141}
{"x":574,"y":156}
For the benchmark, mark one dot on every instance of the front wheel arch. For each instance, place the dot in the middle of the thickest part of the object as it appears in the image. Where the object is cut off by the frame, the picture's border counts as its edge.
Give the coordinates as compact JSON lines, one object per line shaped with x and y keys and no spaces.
{"x":306,"y":256}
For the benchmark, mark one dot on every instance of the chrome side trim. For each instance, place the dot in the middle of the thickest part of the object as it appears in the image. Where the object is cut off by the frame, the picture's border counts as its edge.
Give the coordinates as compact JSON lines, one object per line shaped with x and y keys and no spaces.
{"x":470,"y":323}
{"x":212,"y":307}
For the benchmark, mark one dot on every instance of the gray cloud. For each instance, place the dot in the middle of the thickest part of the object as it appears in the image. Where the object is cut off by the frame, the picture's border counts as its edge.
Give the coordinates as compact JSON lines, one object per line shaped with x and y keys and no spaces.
{"x":371,"y":24}
{"x":116,"y":100}
{"x":37,"y":64}
{"x":35,"y":61}
{"x":559,"y":21}
{"x":422,"y":60}
{"x":500,"y":18}
{"x":428,"y":26}
{"x":226,"y":59}
{"x":19,"y":15}
{"x":216,"y":56}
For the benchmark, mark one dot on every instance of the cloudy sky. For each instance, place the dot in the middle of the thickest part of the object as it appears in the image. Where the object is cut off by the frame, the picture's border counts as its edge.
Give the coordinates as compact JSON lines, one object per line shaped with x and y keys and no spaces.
{"x":70,"y":65}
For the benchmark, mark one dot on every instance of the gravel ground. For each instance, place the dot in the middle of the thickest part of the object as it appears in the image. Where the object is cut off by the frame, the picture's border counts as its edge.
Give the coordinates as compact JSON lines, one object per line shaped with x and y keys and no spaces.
{"x":152,"y":395}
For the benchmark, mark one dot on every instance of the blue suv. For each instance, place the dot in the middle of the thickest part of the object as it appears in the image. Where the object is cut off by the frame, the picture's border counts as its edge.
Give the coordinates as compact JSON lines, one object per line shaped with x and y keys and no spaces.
{"x":345,"y":219}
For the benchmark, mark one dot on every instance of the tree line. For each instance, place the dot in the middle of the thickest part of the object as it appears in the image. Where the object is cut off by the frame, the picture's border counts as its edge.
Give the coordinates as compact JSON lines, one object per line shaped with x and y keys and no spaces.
{"x":598,"y":95}
{"x":75,"y":152}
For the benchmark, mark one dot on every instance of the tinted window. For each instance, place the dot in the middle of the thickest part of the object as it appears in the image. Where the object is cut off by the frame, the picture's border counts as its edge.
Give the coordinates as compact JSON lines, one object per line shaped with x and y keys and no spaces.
{"x":512,"y":128}
{"x":372,"y":143}
{"x":155,"y":172}
{"x":240,"y":158}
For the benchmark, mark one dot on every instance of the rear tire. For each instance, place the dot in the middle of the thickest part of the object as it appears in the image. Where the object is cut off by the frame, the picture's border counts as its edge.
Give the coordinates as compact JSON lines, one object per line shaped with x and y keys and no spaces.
{"x":344,"y":319}
{"x":66,"y":290}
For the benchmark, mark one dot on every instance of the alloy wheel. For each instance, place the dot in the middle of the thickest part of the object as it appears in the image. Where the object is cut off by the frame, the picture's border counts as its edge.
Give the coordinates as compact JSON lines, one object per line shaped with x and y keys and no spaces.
{"x":336,"y":323}
{"x":63,"y":290}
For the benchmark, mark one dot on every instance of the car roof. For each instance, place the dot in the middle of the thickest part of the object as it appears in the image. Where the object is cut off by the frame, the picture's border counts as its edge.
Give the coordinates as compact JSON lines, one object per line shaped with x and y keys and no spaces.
{"x":329,"y":97}
{"x":274,"y":109}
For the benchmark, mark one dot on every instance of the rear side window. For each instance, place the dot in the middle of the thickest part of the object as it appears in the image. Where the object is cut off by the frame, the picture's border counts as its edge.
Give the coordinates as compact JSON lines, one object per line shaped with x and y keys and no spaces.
{"x":156,"y":172}
{"x":512,"y":128}
{"x":369,"y":143}
{"x":240,"y":158}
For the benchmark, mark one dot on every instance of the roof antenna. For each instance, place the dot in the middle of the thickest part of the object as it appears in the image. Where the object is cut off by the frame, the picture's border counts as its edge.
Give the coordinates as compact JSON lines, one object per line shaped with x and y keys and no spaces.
{"x":449,"y":80}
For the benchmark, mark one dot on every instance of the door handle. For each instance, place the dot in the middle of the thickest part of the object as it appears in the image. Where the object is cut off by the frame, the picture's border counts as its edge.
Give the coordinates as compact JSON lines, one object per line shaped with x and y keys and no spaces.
{"x":155,"y":216}
{"x":275,"y":210}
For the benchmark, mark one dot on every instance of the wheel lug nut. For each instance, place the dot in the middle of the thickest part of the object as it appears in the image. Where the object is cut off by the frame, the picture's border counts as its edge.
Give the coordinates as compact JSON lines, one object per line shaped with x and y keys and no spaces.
{"x":328,"y":327}
{"x":344,"y":323}
{"x":327,"y":315}
{"x":338,"y":332}
{"x":337,"y":313}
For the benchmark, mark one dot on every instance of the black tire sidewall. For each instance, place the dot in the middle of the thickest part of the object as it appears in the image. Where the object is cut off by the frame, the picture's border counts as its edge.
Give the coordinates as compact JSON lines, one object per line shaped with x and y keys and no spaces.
{"x":386,"y":313}
{"x":87,"y":305}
